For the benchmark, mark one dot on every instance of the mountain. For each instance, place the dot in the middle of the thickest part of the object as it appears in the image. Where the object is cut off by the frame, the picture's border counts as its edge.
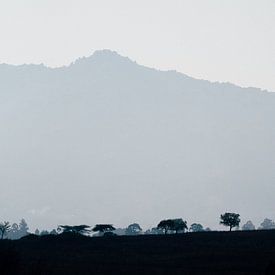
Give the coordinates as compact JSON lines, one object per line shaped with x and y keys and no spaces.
{"x":108,"y":140}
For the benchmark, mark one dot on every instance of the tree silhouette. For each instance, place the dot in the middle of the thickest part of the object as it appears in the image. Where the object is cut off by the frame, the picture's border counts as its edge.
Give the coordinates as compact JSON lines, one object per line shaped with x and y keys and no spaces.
{"x":13,"y":232}
{"x":196,"y":227}
{"x":175,"y":225}
{"x":230,"y":219}
{"x":75,"y":229}
{"x":133,"y":229}
{"x":4,"y":228}
{"x":179,"y":225}
{"x":23,"y":229}
{"x":103,"y":228}
{"x":165,"y":225}
{"x":267,"y":224}
{"x":248,"y":226}
{"x":18,"y":231}
{"x":154,"y":231}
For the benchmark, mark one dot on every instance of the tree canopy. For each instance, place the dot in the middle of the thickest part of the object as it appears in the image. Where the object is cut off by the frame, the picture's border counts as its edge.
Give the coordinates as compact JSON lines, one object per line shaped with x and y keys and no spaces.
{"x":133,"y":229}
{"x":175,"y":225}
{"x":76,"y":229}
{"x":230,"y":219}
{"x":4,"y":228}
{"x":267,"y":224}
{"x":102,"y":228}
{"x":196,"y":227}
{"x":248,"y":226}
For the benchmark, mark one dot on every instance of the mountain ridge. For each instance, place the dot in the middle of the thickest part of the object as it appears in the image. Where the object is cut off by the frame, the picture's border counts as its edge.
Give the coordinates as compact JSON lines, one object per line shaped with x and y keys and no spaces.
{"x":114,"y":142}
{"x":106,"y":57}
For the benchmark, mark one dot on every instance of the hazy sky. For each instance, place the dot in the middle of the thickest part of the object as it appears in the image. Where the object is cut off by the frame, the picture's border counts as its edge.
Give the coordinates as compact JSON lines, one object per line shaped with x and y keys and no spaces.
{"x":223,"y":40}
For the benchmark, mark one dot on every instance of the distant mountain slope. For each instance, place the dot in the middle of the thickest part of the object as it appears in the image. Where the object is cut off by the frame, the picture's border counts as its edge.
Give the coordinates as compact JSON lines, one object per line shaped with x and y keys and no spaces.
{"x":106,"y":139}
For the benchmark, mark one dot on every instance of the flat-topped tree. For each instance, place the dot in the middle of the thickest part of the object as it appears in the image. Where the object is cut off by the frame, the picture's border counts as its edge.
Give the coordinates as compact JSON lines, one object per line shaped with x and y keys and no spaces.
{"x":230,"y":219}
{"x":103,"y":228}
{"x":76,"y":229}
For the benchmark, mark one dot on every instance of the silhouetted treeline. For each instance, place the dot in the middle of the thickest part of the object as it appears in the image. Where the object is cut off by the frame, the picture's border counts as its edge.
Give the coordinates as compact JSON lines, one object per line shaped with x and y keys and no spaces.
{"x":167,"y":226}
{"x":14,"y":231}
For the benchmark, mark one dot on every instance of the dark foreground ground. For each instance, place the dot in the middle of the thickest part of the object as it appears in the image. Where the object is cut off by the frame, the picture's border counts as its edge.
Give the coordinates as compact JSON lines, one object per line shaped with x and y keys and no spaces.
{"x":191,"y":253}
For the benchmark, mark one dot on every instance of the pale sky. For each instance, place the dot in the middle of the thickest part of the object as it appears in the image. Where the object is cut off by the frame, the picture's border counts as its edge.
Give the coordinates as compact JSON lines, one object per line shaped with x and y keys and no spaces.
{"x":218,"y":40}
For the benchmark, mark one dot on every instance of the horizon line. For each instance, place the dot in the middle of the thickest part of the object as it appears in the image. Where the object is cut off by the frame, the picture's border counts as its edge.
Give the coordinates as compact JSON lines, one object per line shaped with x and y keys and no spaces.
{"x":117,"y":54}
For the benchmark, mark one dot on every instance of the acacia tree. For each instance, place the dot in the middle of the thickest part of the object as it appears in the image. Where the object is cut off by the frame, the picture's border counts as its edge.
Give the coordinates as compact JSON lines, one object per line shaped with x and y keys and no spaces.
{"x":103,"y":228}
{"x":133,"y":229}
{"x":76,"y":229}
{"x":4,"y":229}
{"x":230,"y":219}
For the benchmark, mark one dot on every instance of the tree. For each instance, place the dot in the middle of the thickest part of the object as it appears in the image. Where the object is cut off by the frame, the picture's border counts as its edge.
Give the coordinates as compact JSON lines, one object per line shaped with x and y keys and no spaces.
{"x":154,"y":231}
{"x":175,"y":225}
{"x":18,"y":231}
{"x":14,"y":231}
{"x":196,"y":227}
{"x":133,"y":229}
{"x":179,"y":225}
{"x":248,"y":226}
{"x":76,"y":229}
{"x":230,"y":219}
{"x":165,"y":225}
{"x":267,"y":224}
{"x":37,"y":232}
{"x":103,"y":228}
{"x":23,"y":229}
{"x":4,"y":229}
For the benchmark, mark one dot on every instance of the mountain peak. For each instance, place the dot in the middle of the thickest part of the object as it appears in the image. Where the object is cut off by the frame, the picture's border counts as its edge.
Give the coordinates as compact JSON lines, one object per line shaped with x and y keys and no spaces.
{"x":105,"y":52}
{"x":104,"y":56}
{"x":110,"y":56}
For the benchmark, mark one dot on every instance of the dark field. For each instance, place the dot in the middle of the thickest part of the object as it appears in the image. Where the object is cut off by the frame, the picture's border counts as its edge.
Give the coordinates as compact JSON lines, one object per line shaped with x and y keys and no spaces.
{"x":191,"y":253}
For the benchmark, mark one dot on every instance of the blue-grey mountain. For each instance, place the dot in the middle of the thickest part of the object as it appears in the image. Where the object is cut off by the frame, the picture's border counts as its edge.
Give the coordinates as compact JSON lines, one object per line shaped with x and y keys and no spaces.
{"x":108,"y":140}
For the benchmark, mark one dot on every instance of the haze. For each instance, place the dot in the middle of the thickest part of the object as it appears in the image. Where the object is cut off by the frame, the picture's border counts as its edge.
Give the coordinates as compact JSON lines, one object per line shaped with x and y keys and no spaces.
{"x":210,"y":39}
{"x":106,"y":138}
